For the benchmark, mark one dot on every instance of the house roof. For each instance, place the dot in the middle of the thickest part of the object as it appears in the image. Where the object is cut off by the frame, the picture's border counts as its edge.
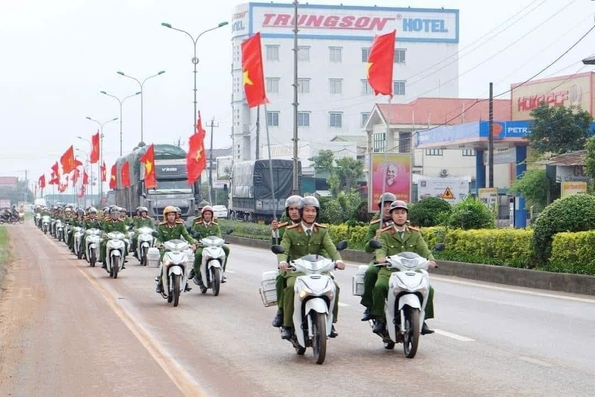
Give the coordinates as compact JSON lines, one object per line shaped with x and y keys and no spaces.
{"x":436,"y":111}
{"x":360,"y":140}
{"x":570,"y":158}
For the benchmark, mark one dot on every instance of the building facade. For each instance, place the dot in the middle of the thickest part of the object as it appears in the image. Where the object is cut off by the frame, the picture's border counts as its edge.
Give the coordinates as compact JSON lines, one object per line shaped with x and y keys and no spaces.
{"x":333,"y":47}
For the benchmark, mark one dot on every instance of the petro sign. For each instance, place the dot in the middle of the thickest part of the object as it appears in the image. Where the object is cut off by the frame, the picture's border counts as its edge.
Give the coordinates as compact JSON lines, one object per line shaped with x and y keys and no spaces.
{"x":353,"y":22}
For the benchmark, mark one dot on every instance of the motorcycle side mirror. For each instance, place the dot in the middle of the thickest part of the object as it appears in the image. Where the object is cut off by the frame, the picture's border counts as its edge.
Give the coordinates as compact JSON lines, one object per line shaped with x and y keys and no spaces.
{"x":155,"y":233}
{"x":375,"y":244}
{"x":440,"y":247}
{"x":277,"y":249}
{"x":341,"y":245}
{"x":229,"y":231}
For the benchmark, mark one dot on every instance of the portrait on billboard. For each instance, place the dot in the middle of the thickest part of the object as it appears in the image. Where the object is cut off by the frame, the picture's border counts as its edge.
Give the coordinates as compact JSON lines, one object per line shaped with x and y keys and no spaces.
{"x":395,"y":174}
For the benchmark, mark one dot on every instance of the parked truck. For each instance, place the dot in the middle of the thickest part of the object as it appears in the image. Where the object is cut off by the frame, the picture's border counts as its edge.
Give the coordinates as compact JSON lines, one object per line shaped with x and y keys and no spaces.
{"x":172,"y":182}
{"x":250,"y":198}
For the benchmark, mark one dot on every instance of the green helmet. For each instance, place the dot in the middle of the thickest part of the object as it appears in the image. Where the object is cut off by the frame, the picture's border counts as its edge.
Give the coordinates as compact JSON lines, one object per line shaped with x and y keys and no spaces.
{"x":203,"y":204}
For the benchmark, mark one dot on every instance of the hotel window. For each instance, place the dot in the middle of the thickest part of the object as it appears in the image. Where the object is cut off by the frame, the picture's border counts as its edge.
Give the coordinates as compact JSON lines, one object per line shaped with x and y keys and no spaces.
{"x":303,"y":86}
{"x":336,"y":119}
{"x":304,"y":54}
{"x":365,"y":116}
{"x":434,"y":152}
{"x":366,"y":87}
{"x":272,"y":52}
{"x":468,"y":153}
{"x":273,"y":119}
{"x":399,"y":55}
{"x":399,"y":87}
{"x":379,"y":142}
{"x":303,"y":119}
{"x":405,"y":142}
{"x":272,"y":85}
{"x":335,"y":54}
{"x":336,"y":86}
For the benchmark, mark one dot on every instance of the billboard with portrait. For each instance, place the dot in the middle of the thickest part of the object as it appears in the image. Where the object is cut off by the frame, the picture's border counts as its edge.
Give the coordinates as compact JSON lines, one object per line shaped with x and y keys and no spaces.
{"x":395,"y":170}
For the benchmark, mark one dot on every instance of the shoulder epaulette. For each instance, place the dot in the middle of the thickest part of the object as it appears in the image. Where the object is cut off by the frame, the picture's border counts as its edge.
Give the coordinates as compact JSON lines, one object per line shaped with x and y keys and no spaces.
{"x":415,"y":229}
{"x":198,"y":220}
{"x":374,"y":222}
{"x":162,"y":223}
{"x":386,"y":229}
{"x":283,"y":224}
{"x":319,"y":225}
{"x":179,"y":221}
{"x":293,"y":226}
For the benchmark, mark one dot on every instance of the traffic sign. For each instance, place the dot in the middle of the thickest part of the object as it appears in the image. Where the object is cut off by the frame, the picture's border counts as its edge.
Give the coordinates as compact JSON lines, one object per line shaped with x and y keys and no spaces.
{"x":447,"y":195}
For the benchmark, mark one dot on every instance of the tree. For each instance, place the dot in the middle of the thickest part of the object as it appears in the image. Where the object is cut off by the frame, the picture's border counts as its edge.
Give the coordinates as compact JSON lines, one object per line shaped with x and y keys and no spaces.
{"x":532,"y":185}
{"x":471,"y":214}
{"x":429,"y":212}
{"x":349,"y":170}
{"x":590,"y":157}
{"x":324,"y":161}
{"x":558,"y":130}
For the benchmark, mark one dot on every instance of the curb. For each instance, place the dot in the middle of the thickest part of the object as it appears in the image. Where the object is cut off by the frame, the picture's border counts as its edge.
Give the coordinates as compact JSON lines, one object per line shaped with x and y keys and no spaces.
{"x":538,"y":279}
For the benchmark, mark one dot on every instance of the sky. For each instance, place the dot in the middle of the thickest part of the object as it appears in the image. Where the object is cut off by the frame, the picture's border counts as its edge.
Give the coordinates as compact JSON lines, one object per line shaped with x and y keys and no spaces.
{"x":56,"y":57}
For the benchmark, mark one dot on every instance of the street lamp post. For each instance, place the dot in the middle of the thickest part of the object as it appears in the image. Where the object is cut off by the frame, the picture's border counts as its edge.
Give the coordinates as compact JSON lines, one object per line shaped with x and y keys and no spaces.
{"x":141,"y":85}
{"x":195,"y":62}
{"x":101,"y":124}
{"x":87,"y":165}
{"x":121,"y":102}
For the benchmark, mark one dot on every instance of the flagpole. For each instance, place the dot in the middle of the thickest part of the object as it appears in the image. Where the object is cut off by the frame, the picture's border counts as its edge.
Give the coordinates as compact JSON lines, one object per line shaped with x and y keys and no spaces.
{"x":271,"y":168}
{"x":385,"y":162}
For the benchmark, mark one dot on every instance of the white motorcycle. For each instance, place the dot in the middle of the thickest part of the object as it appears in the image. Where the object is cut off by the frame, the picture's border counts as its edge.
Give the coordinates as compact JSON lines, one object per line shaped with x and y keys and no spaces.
{"x":78,"y":241}
{"x":38,"y":220}
{"x":174,"y":271}
{"x":404,"y":308}
{"x":211,"y":267}
{"x":45,"y":224}
{"x":59,"y":227}
{"x":144,"y":241}
{"x":315,"y":299}
{"x":114,"y":254}
{"x":92,"y":244}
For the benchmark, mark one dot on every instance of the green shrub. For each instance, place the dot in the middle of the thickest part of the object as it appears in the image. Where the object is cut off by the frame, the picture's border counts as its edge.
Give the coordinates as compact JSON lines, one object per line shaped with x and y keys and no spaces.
{"x":429,"y":211}
{"x":246,"y":229}
{"x":471,"y":214}
{"x":571,"y":214}
{"x":573,"y":253}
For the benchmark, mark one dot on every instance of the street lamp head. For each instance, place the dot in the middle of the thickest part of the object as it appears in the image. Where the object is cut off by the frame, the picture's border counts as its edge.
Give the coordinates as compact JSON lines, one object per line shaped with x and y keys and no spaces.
{"x":103,"y":92}
{"x":221,"y":24}
{"x":88,"y":118}
{"x":138,"y":93}
{"x":114,"y":119}
{"x":120,"y":73}
{"x":167,"y":25}
{"x":589,"y":61}
{"x":80,"y":137}
{"x":161,"y":72}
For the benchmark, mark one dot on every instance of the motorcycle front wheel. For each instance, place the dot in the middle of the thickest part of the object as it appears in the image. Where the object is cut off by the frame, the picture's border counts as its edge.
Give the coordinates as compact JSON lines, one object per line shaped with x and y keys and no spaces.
{"x":411,"y":336}
{"x":216,"y":283}
{"x":319,"y":339}
{"x":176,"y":289}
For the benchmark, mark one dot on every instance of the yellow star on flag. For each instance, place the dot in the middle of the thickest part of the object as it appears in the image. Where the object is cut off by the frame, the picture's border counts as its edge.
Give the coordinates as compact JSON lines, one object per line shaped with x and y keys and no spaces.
{"x":247,"y":80}
{"x":198,"y":154}
{"x":368,"y":66}
{"x":148,"y":167}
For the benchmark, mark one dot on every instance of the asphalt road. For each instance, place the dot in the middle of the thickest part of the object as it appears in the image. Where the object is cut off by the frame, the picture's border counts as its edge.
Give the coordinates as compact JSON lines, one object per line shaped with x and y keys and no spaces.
{"x":67,"y":329}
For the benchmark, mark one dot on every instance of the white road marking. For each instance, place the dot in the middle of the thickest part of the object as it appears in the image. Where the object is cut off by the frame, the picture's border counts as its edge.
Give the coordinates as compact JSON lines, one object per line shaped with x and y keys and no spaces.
{"x":535,"y":361}
{"x":230,"y":271}
{"x":341,"y":304}
{"x":454,"y":336}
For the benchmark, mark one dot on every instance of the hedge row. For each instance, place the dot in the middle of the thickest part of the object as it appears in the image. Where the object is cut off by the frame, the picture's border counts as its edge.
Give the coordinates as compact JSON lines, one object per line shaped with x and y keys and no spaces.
{"x":571,"y":252}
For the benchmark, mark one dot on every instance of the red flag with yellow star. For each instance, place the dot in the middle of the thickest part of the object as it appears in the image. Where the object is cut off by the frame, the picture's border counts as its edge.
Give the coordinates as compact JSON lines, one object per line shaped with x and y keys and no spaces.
{"x":196,"y":159}
{"x":380,"y":63}
{"x":149,"y":160}
{"x":112,"y":181}
{"x":253,"y":73}
{"x":67,"y":161}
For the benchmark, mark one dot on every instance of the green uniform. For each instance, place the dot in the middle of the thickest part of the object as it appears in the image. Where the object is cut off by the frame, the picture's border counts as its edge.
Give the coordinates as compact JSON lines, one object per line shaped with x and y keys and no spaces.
{"x":297,"y":244}
{"x":73,"y":222}
{"x":89,"y":223}
{"x":372,"y":272}
{"x":280,"y":280}
{"x":393,"y":243}
{"x":109,"y":226}
{"x":204,"y":230}
{"x":171,"y":232}
{"x":141,"y":221}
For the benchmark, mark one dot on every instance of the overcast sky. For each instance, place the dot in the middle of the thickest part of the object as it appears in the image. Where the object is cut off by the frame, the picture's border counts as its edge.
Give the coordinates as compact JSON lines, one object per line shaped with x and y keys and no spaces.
{"x":56,"y":55}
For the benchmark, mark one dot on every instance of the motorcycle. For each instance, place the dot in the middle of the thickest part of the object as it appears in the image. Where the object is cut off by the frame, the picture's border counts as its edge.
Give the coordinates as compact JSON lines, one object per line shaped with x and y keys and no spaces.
{"x":21,"y":217}
{"x":45,"y":223}
{"x":37,"y":219}
{"x":211,"y":267}
{"x":92,"y":242}
{"x":408,"y":291}
{"x":114,"y":255}
{"x":174,"y":270}
{"x":78,"y":241}
{"x":315,"y":298}
{"x":145,"y":240}
{"x":59,"y":227}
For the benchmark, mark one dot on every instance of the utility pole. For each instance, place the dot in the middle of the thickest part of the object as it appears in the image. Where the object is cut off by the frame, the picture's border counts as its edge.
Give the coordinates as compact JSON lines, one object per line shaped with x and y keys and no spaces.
{"x":491,"y":137}
{"x":212,"y":126}
{"x":296,"y":186}
{"x":257,"y":132}
{"x":26,"y":186}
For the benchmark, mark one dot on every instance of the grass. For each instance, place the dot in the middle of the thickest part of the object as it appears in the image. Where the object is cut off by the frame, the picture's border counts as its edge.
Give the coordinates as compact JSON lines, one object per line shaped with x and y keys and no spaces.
{"x":4,"y":253}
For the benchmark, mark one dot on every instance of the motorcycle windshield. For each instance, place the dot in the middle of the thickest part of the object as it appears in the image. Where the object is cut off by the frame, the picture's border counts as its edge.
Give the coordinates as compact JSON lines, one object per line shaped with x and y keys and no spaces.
{"x":176,"y":245}
{"x":92,"y":232}
{"x":212,"y":240}
{"x":312,"y":263}
{"x":116,"y":236}
{"x":145,"y":230}
{"x":408,"y":261}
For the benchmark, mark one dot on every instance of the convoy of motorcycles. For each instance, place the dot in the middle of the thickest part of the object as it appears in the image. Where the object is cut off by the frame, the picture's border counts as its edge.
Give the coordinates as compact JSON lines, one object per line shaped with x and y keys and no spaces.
{"x":315,"y":291}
